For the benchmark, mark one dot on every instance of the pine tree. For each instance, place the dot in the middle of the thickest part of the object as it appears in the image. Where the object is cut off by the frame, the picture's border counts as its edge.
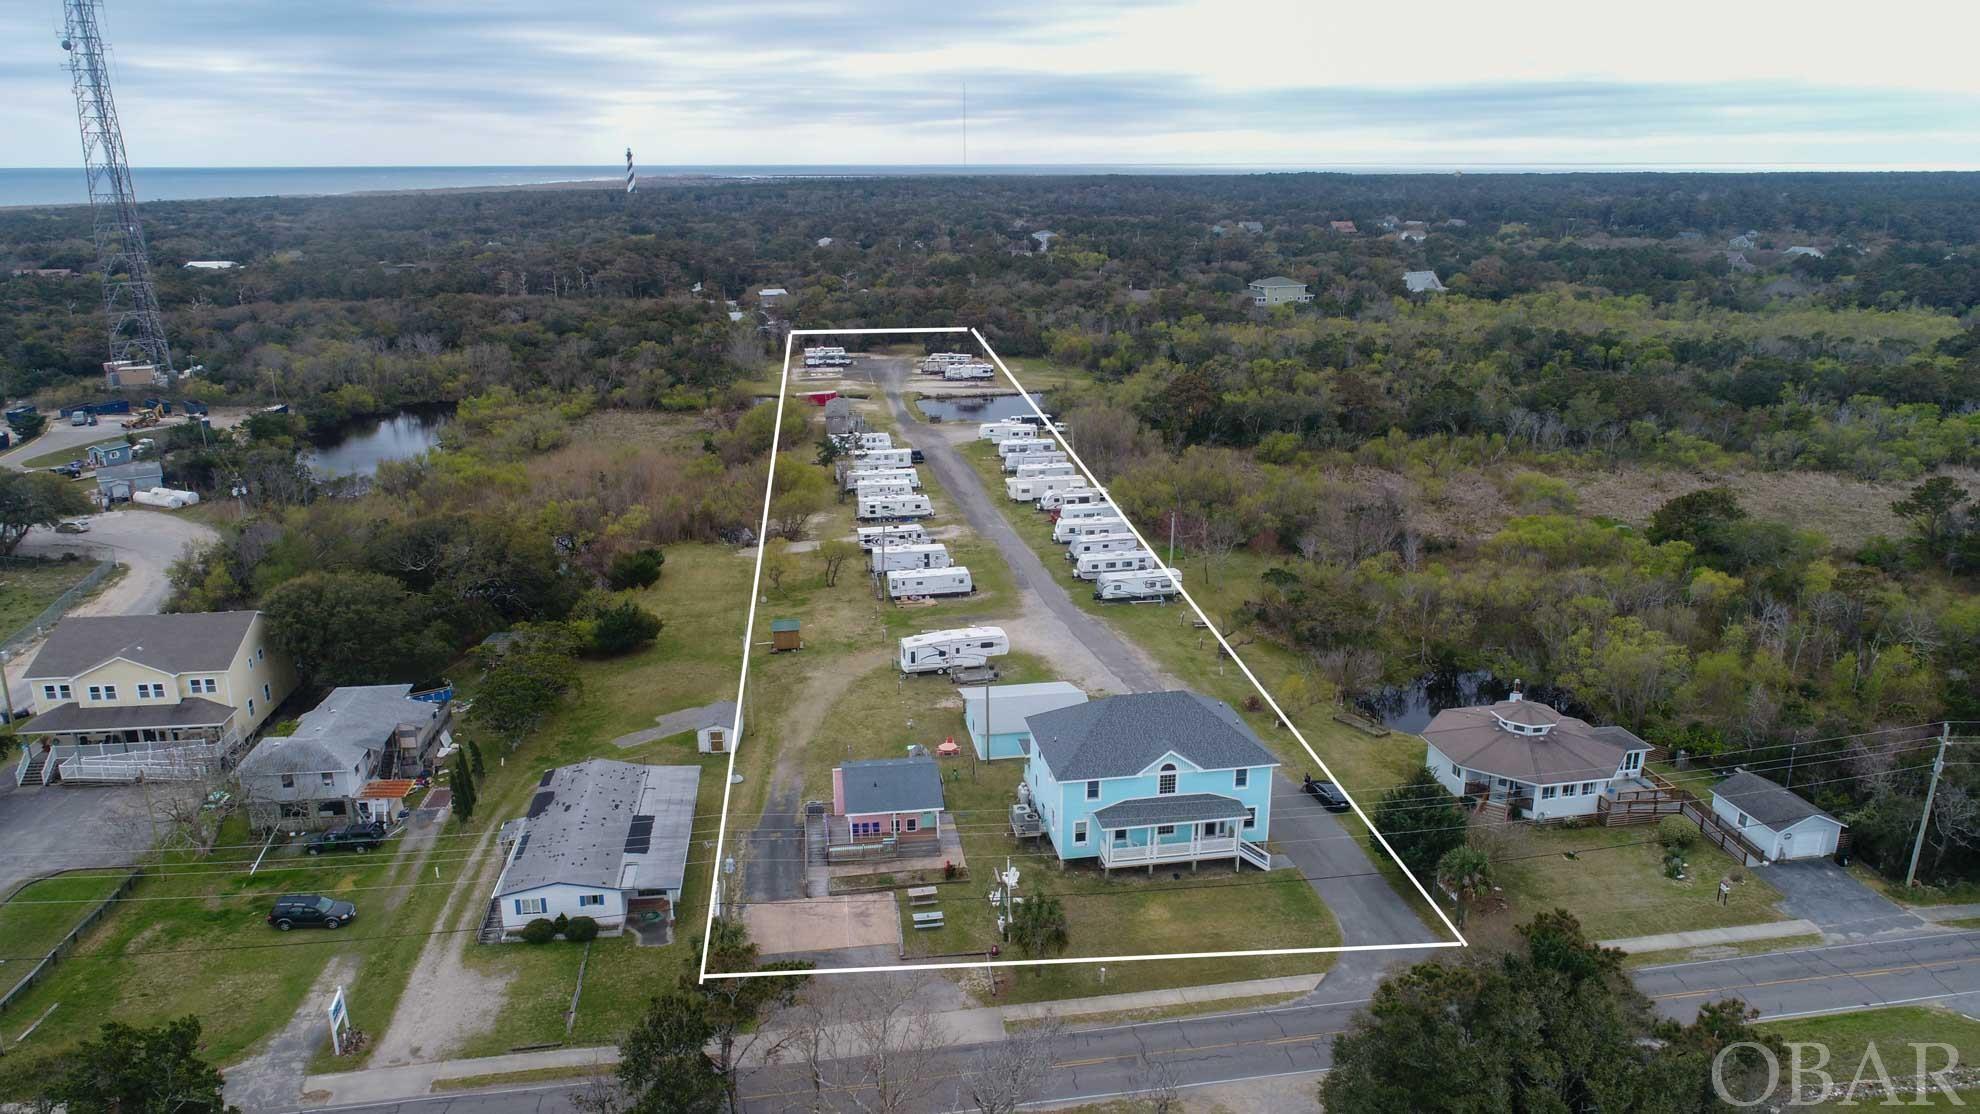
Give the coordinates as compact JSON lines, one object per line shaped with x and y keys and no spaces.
{"x":474,"y":760}
{"x":462,"y":782}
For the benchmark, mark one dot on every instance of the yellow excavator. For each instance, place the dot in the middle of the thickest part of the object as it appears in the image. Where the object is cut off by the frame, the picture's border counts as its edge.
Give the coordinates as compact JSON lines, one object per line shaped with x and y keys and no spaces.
{"x":143,"y":418}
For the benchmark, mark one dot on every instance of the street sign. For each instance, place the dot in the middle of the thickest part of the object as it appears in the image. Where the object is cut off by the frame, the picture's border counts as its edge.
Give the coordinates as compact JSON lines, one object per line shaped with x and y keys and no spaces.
{"x":340,"y":1020}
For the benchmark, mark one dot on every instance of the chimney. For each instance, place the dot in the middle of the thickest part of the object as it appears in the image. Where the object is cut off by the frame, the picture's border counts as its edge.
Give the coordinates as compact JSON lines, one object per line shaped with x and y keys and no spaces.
{"x":1515,"y":695}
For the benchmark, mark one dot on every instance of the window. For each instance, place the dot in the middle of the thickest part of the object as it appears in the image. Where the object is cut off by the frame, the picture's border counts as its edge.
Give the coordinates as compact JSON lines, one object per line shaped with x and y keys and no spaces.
{"x":590,"y":899}
{"x":264,"y":693}
{"x":96,"y":692}
{"x":1166,"y":830}
{"x":1569,"y":790}
{"x":1587,"y":787}
{"x":1166,"y":783}
{"x":1079,"y":831}
{"x":109,"y":692}
{"x":328,"y":779}
{"x":1744,"y":820}
{"x":288,"y":781}
{"x":913,"y":823}
{"x":1250,"y":818}
{"x":1455,"y":772}
{"x":1120,"y":837}
{"x":1092,"y":790}
{"x":1547,"y":793}
{"x":1633,"y":760}
{"x":202,"y":684}
{"x":1241,"y":778}
{"x":529,"y":906}
{"x":48,"y":692}
{"x":250,"y":705}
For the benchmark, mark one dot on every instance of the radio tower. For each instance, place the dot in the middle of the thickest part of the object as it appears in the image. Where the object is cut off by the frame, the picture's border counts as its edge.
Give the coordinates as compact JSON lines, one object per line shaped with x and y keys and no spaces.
{"x":130,"y":302}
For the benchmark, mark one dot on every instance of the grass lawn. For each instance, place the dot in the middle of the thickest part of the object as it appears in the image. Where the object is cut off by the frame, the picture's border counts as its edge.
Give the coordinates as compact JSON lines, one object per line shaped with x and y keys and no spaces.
{"x":73,"y":452}
{"x":39,"y":914}
{"x":1616,"y":885}
{"x":1893,"y":1030}
{"x":1960,"y":893}
{"x":28,"y":587}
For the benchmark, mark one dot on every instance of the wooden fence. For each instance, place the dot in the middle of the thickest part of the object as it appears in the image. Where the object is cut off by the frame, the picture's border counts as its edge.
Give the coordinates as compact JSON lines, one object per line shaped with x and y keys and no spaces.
{"x":68,"y":942}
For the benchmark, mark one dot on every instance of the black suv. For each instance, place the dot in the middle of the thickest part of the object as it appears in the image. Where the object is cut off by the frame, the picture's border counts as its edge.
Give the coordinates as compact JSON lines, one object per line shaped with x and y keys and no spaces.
{"x":308,"y":909}
{"x":350,"y":837}
{"x":1327,"y":793}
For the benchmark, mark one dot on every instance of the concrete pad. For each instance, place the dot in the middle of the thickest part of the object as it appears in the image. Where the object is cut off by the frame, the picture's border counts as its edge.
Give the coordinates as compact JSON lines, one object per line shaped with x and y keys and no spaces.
{"x":847,"y":921}
{"x":1705,"y":937}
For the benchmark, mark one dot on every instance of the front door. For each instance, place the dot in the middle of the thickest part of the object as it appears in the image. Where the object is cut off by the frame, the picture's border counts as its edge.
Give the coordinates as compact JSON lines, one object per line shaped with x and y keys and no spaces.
{"x":1216,"y":828}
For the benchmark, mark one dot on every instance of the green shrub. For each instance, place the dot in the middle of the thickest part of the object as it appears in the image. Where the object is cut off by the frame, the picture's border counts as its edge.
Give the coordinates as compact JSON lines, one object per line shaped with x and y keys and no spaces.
{"x":581,"y":930}
{"x":637,"y":568}
{"x":623,"y":627}
{"x":539,"y":931}
{"x":1677,"y":834}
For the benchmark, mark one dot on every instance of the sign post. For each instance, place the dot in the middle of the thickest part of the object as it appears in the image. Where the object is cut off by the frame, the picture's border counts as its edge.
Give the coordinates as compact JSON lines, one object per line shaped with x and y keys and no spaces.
{"x":340,"y":1020}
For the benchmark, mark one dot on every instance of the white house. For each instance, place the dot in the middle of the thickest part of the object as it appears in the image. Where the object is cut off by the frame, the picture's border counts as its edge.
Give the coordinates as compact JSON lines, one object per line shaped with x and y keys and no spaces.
{"x":1278,"y":290}
{"x":318,"y":774}
{"x":1780,"y":822}
{"x":1422,"y":282}
{"x":1521,"y":754}
{"x":603,"y":839}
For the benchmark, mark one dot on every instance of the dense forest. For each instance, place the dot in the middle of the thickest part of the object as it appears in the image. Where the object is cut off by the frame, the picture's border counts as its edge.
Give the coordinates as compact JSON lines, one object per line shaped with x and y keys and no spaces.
{"x":1636,"y":450}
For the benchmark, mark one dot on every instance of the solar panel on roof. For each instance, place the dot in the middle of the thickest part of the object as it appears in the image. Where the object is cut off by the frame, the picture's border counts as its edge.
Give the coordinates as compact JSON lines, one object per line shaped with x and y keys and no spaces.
{"x":639,"y":837}
{"x":540,"y":803}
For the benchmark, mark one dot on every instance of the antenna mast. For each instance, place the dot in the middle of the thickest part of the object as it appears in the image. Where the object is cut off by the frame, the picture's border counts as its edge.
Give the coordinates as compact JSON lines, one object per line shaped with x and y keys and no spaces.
{"x":130,"y":301}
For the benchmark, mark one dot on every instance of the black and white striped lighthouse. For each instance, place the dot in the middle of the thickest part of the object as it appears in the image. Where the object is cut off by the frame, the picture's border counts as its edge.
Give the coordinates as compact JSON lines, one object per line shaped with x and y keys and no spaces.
{"x":632,"y":180}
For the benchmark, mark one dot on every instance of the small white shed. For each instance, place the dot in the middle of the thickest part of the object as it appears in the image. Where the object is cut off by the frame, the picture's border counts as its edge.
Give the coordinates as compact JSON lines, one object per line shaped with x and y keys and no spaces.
{"x":1782,"y":823}
{"x":719,"y":726}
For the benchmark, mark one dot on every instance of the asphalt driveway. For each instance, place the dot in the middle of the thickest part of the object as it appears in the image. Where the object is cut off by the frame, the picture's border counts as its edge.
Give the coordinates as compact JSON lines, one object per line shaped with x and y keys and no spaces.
{"x":51,"y":828}
{"x":1844,"y":908}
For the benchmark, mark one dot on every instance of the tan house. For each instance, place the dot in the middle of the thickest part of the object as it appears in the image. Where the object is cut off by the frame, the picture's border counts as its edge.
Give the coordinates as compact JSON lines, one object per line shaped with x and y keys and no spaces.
{"x":147,"y":684}
{"x":1278,"y":290}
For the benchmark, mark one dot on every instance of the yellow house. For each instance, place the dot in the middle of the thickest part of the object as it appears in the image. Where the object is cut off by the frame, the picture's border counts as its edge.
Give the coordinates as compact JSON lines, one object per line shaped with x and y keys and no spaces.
{"x":126,"y":683}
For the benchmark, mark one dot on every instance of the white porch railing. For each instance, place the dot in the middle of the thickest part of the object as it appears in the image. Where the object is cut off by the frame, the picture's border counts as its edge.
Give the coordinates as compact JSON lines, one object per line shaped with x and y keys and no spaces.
{"x":1173,"y":851}
{"x":190,"y":762}
{"x":1254,"y":854}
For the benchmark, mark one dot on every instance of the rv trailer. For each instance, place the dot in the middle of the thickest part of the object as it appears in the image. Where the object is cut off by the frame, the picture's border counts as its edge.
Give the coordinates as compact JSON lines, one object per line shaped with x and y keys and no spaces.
{"x":1017,"y":462}
{"x":881,"y":489}
{"x":1102,"y":509}
{"x":1051,"y":498}
{"x":862,"y":442}
{"x":1154,"y":584}
{"x":939,"y":651}
{"x":1031,"y":465}
{"x":1029,"y":488}
{"x":895,"y":506}
{"x":933,"y":555}
{"x":1067,"y":529}
{"x":874,"y":537}
{"x":951,"y":581}
{"x":883,"y":458}
{"x":858,"y":476}
{"x":1101,"y":543}
{"x":1092,"y":565}
{"x":999,"y":431}
{"x":968,"y":371}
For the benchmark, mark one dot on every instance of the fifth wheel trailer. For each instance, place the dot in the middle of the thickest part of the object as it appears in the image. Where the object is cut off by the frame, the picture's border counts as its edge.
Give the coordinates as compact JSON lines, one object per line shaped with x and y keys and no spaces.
{"x":901,"y":506}
{"x":939,"y":651}
{"x":873,"y":537}
{"x":1092,"y":565}
{"x":1151,"y":585}
{"x":951,"y":581}
{"x":934,"y":555}
{"x":1067,"y":529}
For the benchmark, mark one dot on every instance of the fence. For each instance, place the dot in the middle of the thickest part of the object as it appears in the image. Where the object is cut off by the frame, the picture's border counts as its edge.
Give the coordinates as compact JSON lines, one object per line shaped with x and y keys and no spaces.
{"x":39,"y":625}
{"x":68,"y":942}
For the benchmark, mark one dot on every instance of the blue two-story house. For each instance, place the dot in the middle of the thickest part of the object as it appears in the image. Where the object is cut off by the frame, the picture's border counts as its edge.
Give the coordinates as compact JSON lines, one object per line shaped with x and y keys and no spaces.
{"x":1146,"y":779}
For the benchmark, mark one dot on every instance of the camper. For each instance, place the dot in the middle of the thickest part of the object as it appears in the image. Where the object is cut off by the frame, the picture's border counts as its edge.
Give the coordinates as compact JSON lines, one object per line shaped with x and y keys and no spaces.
{"x":895,"y":506}
{"x":1101,"y":543}
{"x":939,"y":651}
{"x":906,"y":476}
{"x":999,"y":431}
{"x":1154,"y":584}
{"x":1073,"y":493}
{"x":873,"y":537}
{"x":884,"y":458}
{"x":1092,"y":565}
{"x":1104,"y":508}
{"x":934,"y":364}
{"x":1016,"y":448}
{"x":908,"y":583}
{"x":1067,"y":529}
{"x":862,"y":442}
{"x":968,"y":371}
{"x":826,"y":357}
{"x":1027,"y":489}
{"x":1044,"y":464}
{"x":933,"y":555}
{"x":881,"y":489}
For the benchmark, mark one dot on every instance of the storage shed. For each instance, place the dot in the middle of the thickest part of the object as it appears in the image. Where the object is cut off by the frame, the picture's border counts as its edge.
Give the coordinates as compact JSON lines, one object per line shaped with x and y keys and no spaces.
{"x":785,"y":635}
{"x":1779,"y":821}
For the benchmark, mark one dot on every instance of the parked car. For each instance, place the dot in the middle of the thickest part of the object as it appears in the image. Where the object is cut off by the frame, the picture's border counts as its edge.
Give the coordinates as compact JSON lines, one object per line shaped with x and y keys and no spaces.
{"x":303,"y":910}
{"x":72,"y":526}
{"x":915,"y":456}
{"x":350,"y":837}
{"x":1327,"y":793}
{"x":72,"y":469}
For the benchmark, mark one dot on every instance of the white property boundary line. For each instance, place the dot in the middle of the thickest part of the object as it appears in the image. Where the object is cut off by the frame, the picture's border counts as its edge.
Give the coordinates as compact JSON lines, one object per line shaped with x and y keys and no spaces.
{"x":783,"y":389}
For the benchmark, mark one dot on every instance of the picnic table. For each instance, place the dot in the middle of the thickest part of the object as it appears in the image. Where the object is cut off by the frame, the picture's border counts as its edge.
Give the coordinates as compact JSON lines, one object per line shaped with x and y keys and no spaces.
{"x":921,"y":895}
{"x":928,"y":920}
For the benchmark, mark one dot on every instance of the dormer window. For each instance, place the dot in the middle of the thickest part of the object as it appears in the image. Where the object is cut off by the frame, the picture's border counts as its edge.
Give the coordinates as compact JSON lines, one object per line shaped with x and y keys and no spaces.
{"x":1518,"y":728}
{"x":1165,"y":782}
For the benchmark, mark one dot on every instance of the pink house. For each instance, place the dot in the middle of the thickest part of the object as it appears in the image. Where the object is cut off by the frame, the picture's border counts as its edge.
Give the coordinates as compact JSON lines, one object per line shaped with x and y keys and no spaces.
{"x":889,"y":798}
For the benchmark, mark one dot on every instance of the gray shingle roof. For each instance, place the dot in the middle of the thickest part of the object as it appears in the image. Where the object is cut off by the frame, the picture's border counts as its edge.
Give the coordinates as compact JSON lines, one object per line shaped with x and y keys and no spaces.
{"x":579,"y":834}
{"x":891,"y":785}
{"x":1773,"y":805}
{"x":1277,"y":280}
{"x":193,"y":711}
{"x":1421,"y":282}
{"x":194,"y":642}
{"x":1120,"y":736}
{"x":342,"y":733}
{"x":136,"y":472}
{"x":1176,"y":808}
{"x":1570,"y":751}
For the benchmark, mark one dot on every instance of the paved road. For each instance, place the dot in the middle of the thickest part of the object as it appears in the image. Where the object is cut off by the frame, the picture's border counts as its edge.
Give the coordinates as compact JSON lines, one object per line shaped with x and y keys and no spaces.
{"x":1100,"y":1062}
{"x":60,"y":435}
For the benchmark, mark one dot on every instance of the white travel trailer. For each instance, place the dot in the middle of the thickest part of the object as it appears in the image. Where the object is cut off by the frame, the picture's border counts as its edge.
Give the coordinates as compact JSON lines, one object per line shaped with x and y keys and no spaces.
{"x":1067,"y":529}
{"x":863,"y":442}
{"x":934,"y":363}
{"x":1042,"y":464}
{"x":895,"y":506}
{"x":889,"y":558}
{"x":881,"y":489}
{"x":874,"y":537}
{"x":1070,"y":494}
{"x":998,"y":431}
{"x":968,"y":371}
{"x":826,"y":357}
{"x":905,"y":476}
{"x":1101,"y":543}
{"x":939,"y":651}
{"x":951,"y":581}
{"x":1014,"y":447}
{"x":884,"y":458}
{"x":1151,"y":585}
{"x":1102,"y":508}
{"x":1092,"y":565}
{"x":1029,"y":488}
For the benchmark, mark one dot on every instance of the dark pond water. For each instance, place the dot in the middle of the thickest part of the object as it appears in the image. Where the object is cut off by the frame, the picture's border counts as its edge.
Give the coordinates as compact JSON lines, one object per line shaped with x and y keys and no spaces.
{"x":359,"y":447}
{"x":1410,"y":707}
{"x":994,"y":408}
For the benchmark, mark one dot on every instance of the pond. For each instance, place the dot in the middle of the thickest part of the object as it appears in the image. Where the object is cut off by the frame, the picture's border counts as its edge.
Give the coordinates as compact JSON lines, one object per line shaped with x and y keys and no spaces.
{"x":1410,"y":707}
{"x":358,"y":447}
{"x":980,"y":408}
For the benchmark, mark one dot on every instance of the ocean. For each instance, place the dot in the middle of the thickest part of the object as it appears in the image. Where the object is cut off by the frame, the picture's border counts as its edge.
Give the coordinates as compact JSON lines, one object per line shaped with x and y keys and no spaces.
{"x":64,"y":185}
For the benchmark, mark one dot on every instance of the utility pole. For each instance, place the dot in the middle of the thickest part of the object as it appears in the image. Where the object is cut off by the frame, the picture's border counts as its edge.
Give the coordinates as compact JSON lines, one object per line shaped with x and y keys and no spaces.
{"x":1794,"y":749}
{"x":130,"y":301}
{"x":1925,"y":816}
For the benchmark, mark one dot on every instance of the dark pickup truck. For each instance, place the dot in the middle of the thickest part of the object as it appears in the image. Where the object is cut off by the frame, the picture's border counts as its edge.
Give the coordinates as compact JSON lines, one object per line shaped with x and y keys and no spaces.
{"x":1326,"y":792}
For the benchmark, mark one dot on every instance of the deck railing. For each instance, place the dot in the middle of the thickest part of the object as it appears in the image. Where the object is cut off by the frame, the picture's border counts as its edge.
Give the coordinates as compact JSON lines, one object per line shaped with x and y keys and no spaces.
{"x":1178,"y":851}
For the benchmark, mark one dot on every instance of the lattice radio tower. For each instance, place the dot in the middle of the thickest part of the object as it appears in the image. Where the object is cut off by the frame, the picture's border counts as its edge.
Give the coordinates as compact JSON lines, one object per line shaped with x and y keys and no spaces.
{"x":130,"y":302}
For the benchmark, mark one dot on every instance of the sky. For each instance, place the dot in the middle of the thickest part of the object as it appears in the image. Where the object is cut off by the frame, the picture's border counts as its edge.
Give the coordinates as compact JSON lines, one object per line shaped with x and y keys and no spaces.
{"x":1269,"y":82}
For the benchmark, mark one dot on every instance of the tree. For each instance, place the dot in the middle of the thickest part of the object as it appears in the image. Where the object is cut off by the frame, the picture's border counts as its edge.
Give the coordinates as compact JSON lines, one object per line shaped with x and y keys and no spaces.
{"x":1010,"y":1074}
{"x":778,"y":566}
{"x":1421,"y":820}
{"x":663,"y":1068}
{"x":1464,"y":872}
{"x":734,"y":1007}
{"x":129,"y":1069}
{"x":835,"y":553}
{"x":1038,"y":926}
{"x":636,"y":568}
{"x":525,"y":683}
{"x":461,"y":784}
{"x":802,"y":491}
{"x":352,"y":628}
{"x":474,"y":759}
{"x":30,"y":499}
{"x":622,"y":627}
{"x":1932,"y":508}
{"x":1625,"y":669}
{"x":1550,"y":1023}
